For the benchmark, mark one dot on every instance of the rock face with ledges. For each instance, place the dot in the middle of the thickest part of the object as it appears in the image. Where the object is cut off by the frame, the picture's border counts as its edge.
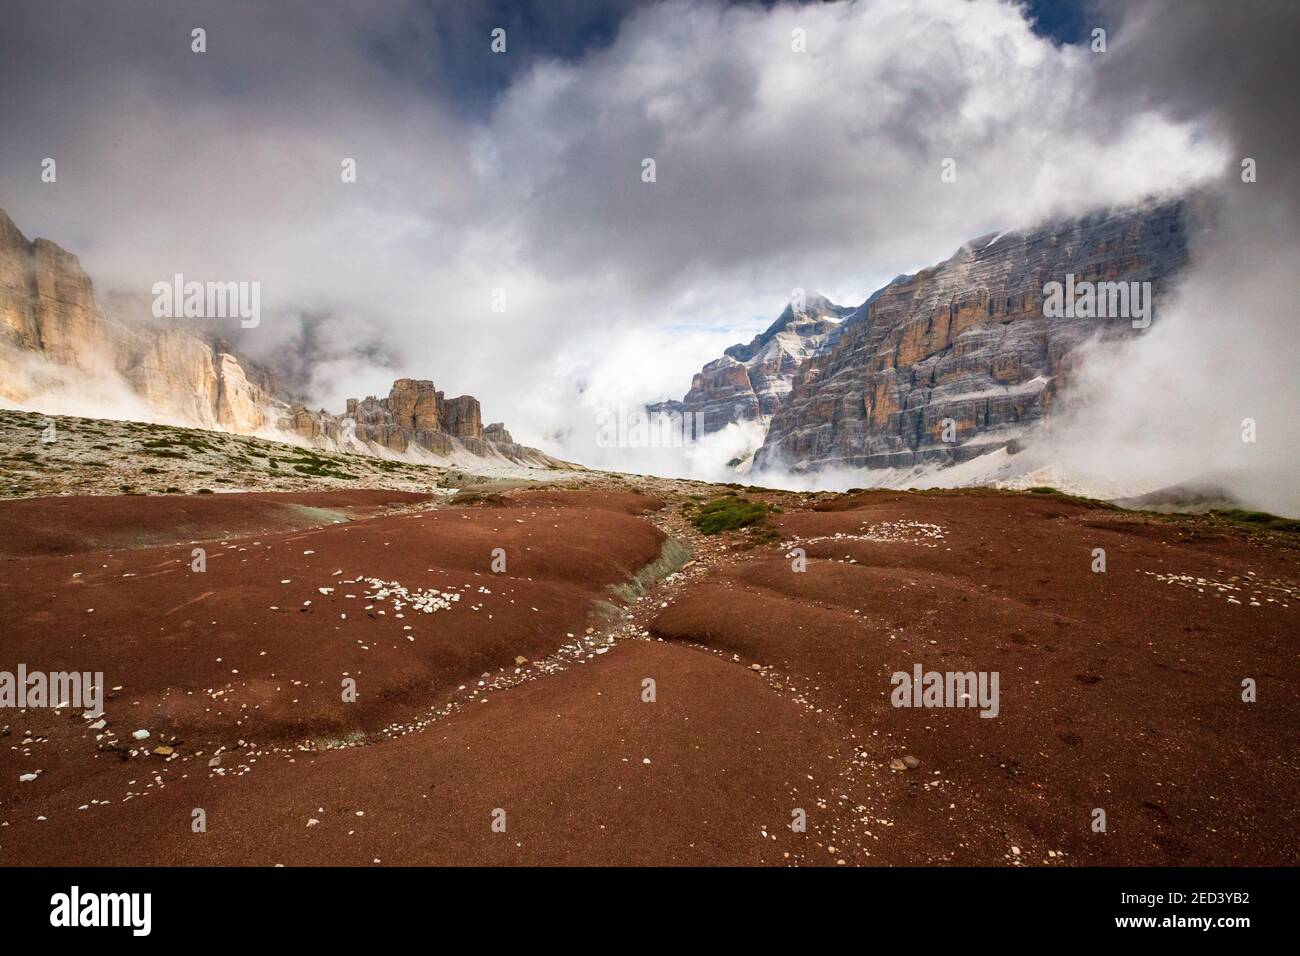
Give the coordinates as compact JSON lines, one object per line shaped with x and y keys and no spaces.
{"x":750,"y":381}
{"x":49,"y":321}
{"x":47,"y":304}
{"x":48,"y":313}
{"x":461,"y":417}
{"x":319,"y":427}
{"x":967,"y":341}
{"x":496,"y":432}
{"x":416,"y":413}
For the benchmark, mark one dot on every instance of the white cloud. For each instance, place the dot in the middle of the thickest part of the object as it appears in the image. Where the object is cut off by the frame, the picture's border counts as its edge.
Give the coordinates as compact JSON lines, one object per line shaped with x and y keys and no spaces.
{"x":775,"y":169}
{"x":818,"y":169}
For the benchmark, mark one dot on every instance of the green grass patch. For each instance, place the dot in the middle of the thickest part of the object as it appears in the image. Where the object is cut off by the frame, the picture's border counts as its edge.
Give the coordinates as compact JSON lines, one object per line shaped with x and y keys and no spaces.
{"x":322,"y":471}
{"x":1260,"y":520}
{"x":728,"y":513}
{"x":317,"y":468}
{"x":1045,"y":491}
{"x":169,"y":445}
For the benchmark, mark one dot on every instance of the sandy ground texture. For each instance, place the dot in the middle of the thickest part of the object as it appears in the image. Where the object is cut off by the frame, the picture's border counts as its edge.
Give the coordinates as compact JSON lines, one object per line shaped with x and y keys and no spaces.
{"x":626,"y":690}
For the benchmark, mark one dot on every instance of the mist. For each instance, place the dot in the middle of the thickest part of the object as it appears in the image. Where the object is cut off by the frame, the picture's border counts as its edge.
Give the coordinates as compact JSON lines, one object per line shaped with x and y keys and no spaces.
{"x":521,"y":173}
{"x":1209,"y":395}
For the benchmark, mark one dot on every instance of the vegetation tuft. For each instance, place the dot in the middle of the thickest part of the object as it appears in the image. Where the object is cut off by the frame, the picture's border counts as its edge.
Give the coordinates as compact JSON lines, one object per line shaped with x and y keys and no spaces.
{"x":1260,"y":520}
{"x":728,"y":513}
{"x":672,"y":555}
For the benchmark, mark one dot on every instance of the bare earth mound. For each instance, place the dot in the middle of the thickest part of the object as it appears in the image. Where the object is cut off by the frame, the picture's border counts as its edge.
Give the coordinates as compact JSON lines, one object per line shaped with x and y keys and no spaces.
{"x":554,"y":659}
{"x":1119,"y":690}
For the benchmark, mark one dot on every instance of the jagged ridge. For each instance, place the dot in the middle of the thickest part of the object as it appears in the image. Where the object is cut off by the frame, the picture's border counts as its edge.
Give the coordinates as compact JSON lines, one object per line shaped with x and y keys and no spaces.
{"x":750,"y":381}
{"x":964,"y":340}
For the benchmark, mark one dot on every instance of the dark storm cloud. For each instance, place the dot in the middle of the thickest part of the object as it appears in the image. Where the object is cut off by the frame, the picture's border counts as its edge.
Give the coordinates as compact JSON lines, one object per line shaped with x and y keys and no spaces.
{"x":763,"y":154}
{"x":1231,"y":65}
{"x":521,"y":171}
{"x":1172,"y":406}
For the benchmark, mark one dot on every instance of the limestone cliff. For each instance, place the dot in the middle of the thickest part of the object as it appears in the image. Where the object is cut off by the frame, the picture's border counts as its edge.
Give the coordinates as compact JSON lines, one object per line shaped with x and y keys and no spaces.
{"x":52,"y":333}
{"x":47,"y":306}
{"x":941,"y":366}
{"x":415,"y":415}
{"x":967,"y":341}
{"x":750,"y":381}
{"x":49,"y":317}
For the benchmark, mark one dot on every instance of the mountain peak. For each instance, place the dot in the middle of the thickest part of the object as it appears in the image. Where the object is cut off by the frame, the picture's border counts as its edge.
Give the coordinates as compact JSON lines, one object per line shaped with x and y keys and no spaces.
{"x":816,"y":315}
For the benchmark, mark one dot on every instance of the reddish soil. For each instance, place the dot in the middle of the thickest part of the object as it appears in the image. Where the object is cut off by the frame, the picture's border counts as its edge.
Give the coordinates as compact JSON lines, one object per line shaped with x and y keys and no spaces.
{"x":563,"y":756}
{"x":72,"y":525}
{"x":1117,"y":691}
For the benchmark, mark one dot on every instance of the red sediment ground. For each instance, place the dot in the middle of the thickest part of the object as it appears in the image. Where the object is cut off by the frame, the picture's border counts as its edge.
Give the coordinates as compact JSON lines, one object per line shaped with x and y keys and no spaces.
{"x":564,"y":757}
{"x":252,"y":648}
{"x":1118,"y":690}
{"x":71,"y":525}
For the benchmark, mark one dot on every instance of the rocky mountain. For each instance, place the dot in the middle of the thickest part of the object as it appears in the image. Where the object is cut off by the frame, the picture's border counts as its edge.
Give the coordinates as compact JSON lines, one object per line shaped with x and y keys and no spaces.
{"x":414,"y":415}
{"x":55,"y":339}
{"x":947,"y":364}
{"x":750,"y":381}
{"x":967,"y":344}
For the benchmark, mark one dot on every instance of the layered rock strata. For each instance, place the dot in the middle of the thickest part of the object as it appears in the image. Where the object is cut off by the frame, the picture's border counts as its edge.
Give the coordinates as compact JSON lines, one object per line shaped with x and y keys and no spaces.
{"x":53,"y":334}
